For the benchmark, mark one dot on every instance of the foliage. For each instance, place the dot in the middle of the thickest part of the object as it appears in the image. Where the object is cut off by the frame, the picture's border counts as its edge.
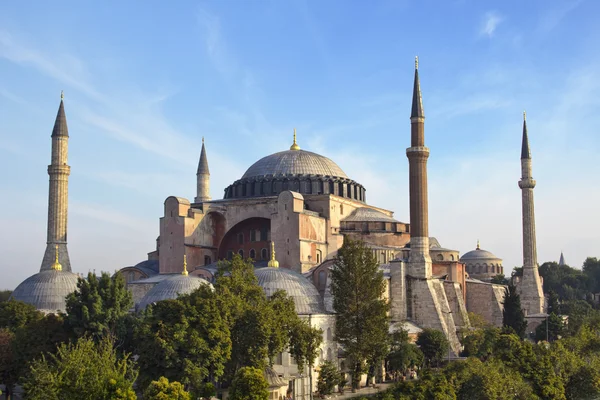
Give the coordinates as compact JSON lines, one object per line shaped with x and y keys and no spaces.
{"x":579,"y":312}
{"x":16,"y":314}
{"x":99,"y":307}
{"x":480,"y":343}
{"x":249,"y":384}
{"x":5,"y":295}
{"x":304,"y":344}
{"x":499,"y":279}
{"x":329,"y":376}
{"x":591,"y":269}
{"x":568,"y":283}
{"x":403,"y":354}
{"x":434,"y":345}
{"x":555,"y":328}
{"x":362,"y":321}
{"x":162,"y":389}
{"x":82,"y":371}
{"x":8,"y":375}
{"x":184,"y":340}
{"x":512,"y":315}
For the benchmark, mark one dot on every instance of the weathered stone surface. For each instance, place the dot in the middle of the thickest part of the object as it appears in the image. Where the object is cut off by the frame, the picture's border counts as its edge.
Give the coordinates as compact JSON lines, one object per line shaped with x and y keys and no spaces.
{"x":487,"y":300}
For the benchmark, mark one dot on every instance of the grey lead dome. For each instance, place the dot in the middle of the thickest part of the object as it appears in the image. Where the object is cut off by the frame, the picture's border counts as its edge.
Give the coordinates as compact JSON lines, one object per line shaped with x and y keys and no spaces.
{"x":172,"y":288}
{"x":294,"y":162}
{"x":305,"y":295}
{"x":47,"y":290}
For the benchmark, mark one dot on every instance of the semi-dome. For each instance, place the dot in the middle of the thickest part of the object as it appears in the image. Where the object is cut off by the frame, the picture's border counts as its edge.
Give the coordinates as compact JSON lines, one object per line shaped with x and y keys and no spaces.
{"x":294,"y":162}
{"x":171,"y":288}
{"x":305,"y":295}
{"x":47,"y":290}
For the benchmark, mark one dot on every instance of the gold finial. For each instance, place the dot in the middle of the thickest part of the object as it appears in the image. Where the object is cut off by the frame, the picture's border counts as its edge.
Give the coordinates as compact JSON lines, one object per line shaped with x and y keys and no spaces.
{"x":62,"y":95}
{"x":202,"y":139}
{"x":185,"y":271}
{"x":416,"y":62}
{"x":273,"y":262}
{"x":56,"y":266}
{"x":294,"y":145}
{"x":478,"y":244}
{"x":524,"y":116}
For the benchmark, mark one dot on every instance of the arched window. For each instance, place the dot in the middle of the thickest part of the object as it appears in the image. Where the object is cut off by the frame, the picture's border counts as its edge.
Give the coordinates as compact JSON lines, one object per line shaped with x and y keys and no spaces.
{"x":229,"y":254}
{"x":240,"y":238}
{"x":319,"y":256}
{"x":252,"y":235}
{"x":440,"y":257}
{"x":264,"y":254}
{"x":207,"y":260}
{"x":241,"y":252}
{"x":252,"y":254}
{"x":451,"y":257}
{"x":322,"y":278}
{"x":329,"y":335}
{"x":131,"y":276}
{"x":329,"y":355}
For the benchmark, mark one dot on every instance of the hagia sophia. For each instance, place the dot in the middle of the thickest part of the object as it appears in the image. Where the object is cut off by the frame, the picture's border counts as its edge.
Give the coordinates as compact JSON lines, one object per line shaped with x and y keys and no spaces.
{"x":290,"y":213}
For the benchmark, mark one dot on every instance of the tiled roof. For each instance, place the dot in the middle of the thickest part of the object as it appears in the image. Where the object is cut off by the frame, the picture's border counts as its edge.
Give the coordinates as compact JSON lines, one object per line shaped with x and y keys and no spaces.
{"x":301,"y":290}
{"x":47,"y":290}
{"x":171,"y":288}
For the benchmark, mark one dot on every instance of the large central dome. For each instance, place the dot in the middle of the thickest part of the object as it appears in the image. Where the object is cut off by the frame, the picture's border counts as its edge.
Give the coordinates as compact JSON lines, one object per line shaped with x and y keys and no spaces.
{"x":294,"y":162}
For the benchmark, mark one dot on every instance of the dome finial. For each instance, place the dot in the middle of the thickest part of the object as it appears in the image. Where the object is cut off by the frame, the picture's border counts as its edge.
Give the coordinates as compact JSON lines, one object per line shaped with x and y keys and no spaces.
{"x":62,"y":95}
{"x":56,"y":266}
{"x":294,"y":145}
{"x":478,"y":248}
{"x":416,"y":62}
{"x":273,"y":262}
{"x":185,"y":271}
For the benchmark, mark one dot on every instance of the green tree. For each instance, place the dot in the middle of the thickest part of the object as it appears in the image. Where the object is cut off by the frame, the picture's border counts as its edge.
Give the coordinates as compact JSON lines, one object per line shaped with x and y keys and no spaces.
{"x":305,"y":342}
{"x":362,"y":321}
{"x":184,"y":340}
{"x":555,"y":327}
{"x":329,"y":376}
{"x":16,"y":314}
{"x":403,"y":357}
{"x":434,"y":345}
{"x":499,"y":279}
{"x":481,"y":343}
{"x":81,"y":371}
{"x":513,"y":316}
{"x":100,"y":306}
{"x":579,"y":312}
{"x":162,"y":389}
{"x":5,"y":295}
{"x":249,"y":384}
{"x":8,"y":370}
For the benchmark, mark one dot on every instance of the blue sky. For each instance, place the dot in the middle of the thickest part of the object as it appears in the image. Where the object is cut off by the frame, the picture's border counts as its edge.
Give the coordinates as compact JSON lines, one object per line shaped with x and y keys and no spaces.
{"x":144,"y":81}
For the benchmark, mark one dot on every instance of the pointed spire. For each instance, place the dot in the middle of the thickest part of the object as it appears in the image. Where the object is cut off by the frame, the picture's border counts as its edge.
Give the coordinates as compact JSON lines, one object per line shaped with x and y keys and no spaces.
{"x":561,"y":261}
{"x":56,"y":266}
{"x":525,"y":152}
{"x":60,"y":124}
{"x":203,"y":163}
{"x":478,"y":248}
{"x":417,"y":101}
{"x":185,"y":271}
{"x":273,"y":262}
{"x":294,"y":145}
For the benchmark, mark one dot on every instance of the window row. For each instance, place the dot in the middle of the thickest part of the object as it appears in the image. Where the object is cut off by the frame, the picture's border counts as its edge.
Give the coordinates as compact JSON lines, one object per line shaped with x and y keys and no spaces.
{"x":264,"y":254}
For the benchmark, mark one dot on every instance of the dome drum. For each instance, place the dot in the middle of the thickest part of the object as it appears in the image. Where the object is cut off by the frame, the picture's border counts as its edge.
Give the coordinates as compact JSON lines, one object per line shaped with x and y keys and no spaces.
{"x":270,"y":185}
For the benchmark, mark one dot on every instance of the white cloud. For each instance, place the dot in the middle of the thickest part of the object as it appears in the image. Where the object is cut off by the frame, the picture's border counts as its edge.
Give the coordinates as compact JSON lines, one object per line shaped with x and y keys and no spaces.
{"x":490,"y":23}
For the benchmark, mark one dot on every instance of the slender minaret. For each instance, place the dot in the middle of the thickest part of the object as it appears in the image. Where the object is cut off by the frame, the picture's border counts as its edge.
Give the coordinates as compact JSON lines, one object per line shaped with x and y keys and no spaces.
{"x":530,"y":287}
{"x":561,"y":260}
{"x":202,"y":178}
{"x":58,"y":196}
{"x":417,"y":153}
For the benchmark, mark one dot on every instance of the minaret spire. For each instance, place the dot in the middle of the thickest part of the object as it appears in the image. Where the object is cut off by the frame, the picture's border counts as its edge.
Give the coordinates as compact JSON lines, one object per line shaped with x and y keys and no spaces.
{"x":418,"y":154}
{"x":530,"y":287}
{"x":202,"y":178}
{"x":59,"y":171}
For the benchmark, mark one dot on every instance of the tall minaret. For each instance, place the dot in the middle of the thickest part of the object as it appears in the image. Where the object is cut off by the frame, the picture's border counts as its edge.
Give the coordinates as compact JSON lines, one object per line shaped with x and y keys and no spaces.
{"x":58,"y":195}
{"x":202,"y":178}
{"x":417,"y":153}
{"x":530,"y":287}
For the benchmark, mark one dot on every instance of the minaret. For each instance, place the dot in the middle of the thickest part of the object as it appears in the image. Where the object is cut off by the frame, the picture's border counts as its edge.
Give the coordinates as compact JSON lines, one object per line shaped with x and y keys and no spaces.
{"x":561,"y":260}
{"x":202,"y":178}
{"x":530,"y":287}
{"x":417,"y":153}
{"x":59,"y":171}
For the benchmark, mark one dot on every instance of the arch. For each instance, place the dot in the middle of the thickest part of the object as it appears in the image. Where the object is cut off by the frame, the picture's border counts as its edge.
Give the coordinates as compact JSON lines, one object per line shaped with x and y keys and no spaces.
{"x":329,"y":334}
{"x":322,"y":278}
{"x":440,"y":257}
{"x":235,"y":237}
{"x":451,"y":257}
{"x":319,"y":256}
{"x":329,"y":354}
{"x":264,"y":254}
{"x":241,"y":252}
{"x":252,"y":254}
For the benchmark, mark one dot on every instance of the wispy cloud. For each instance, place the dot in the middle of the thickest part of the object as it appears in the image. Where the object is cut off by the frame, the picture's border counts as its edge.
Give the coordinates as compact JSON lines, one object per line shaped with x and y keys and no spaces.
{"x":490,"y":23}
{"x":553,"y":16}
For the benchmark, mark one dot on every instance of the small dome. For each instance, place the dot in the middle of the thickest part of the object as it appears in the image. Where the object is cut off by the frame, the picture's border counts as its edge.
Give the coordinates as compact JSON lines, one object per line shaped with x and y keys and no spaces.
{"x":47,"y":290}
{"x":294,"y":162}
{"x":478,"y":255}
{"x":305,"y":295}
{"x":171,"y":288}
{"x":365,"y":214}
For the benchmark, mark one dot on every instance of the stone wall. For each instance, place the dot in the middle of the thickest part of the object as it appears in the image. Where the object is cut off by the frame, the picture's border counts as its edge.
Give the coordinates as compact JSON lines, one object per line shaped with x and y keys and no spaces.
{"x":454,"y":294}
{"x":487,"y":300}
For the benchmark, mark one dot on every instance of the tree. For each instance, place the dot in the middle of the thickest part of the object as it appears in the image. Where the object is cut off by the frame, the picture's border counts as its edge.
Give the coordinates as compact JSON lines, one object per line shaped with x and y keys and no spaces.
{"x":512,"y":315}
{"x":184,"y":340}
{"x":8,"y":374}
{"x":16,"y":314}
{"x":249,"y":384}
{"x":433,"y":344}
{"x":100,"y":306}
{"x":5,"y":295}
{"x":555,"y":328}
{"x":304,"y":344}
{"x":162,"y":389}
{"x":481,"y":343}
{"x":329,"y":376}
{"x":362,"y":321}
{"x":84,"y":370}
{"x":499,"y":279}
{"x":402,"y":358}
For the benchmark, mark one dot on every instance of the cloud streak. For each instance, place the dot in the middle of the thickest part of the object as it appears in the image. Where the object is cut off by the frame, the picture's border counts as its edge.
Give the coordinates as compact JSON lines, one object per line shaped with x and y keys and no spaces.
{"x":490,"y":23}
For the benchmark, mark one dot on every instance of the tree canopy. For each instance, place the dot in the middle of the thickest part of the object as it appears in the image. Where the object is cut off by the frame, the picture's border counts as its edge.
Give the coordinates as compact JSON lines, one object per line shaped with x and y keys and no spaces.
{"x":512,"y":315}
{"x":162,"y":389}
{"x":249,"y":384}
